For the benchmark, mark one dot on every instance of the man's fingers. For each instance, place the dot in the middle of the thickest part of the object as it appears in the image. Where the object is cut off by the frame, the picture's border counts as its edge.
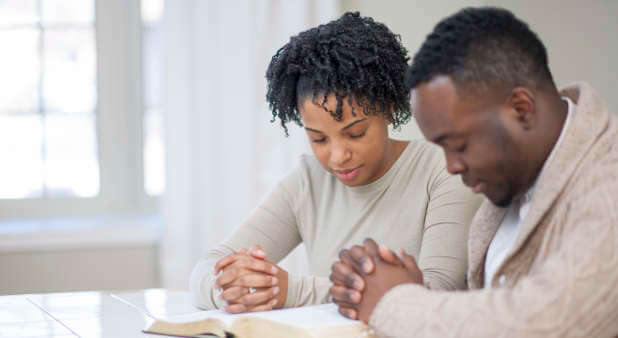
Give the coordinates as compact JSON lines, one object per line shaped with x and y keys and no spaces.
{"x":346,"y":257}
{"x":259,"y":297}
{"x":346,"y":295}
{"x":348,"y":312}
{"x":389,"y":256}
{"x":371,"y":247}
{"x":362,"y":260}
{"x":410,"y":263}
{"x":342,"y":274}
{"x":255,"y":281}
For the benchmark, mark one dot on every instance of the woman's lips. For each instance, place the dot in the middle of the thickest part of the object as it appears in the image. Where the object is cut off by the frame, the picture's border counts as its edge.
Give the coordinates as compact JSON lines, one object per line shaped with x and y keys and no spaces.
{"x":347,"y":174}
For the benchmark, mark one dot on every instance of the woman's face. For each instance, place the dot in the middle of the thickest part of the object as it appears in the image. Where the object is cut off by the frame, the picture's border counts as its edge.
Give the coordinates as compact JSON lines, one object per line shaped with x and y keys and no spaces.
{"x":354,"y":149}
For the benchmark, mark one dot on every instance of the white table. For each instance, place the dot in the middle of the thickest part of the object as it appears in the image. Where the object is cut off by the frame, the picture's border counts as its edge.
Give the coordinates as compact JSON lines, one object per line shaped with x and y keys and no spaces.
{"x":88,"y":314}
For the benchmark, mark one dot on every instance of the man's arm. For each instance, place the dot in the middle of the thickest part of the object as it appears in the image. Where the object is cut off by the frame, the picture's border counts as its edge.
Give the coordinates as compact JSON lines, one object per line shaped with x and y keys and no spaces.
{"x":572,"y":293}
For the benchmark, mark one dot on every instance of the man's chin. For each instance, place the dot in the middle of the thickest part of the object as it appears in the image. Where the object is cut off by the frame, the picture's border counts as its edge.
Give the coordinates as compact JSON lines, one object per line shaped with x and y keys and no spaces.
{"x":501,"y":201}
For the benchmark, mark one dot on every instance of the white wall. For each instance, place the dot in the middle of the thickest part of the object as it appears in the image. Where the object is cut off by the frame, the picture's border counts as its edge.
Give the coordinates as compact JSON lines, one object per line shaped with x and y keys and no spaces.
{"x":74,"y":269}
{"x":581,"y":36}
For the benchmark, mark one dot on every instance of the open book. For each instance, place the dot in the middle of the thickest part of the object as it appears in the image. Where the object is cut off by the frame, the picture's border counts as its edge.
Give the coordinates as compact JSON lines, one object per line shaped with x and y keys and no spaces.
{"x":309,"y":321}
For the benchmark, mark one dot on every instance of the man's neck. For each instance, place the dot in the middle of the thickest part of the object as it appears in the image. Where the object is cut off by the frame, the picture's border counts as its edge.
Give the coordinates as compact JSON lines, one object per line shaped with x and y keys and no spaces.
{"x":556,"y":118}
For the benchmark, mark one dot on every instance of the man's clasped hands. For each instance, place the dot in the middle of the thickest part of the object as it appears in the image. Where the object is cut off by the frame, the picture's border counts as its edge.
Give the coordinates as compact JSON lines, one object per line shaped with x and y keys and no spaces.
{"x":362,"y":275}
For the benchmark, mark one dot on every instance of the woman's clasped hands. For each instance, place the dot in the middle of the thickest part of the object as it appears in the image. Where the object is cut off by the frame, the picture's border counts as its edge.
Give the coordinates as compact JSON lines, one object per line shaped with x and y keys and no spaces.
{"x":249,"y":282}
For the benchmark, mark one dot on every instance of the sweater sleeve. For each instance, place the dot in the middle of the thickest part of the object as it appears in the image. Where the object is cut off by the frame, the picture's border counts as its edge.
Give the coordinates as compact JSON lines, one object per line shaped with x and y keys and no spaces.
{"x":307,"y":290}
{"x":443,"y":254}
{"x":272,"y":225}
{"x":572,"y":293}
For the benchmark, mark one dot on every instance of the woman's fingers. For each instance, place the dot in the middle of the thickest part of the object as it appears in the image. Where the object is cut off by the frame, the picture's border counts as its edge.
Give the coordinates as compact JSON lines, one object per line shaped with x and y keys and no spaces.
{"x":231,"y":294}
{"x":255,"y":280}
{"x":261,"y":296}
{"x":225,"y":261}
{"x":240,"y":308}
{"x":264,"y":307}
{"x":235,"y":308}
{"x":257,"y":252}
{"x":243,"y":266}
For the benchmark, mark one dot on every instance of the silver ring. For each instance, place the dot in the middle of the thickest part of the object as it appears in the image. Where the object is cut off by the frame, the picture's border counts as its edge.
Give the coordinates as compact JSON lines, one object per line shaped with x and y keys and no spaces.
{"x":251,"y":290}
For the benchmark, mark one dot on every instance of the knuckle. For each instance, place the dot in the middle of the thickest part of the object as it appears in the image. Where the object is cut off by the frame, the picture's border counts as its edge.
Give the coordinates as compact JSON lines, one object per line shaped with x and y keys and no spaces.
{"x":363,"y":259}
{"x":348,"y":296}
{"x":349,"y":280}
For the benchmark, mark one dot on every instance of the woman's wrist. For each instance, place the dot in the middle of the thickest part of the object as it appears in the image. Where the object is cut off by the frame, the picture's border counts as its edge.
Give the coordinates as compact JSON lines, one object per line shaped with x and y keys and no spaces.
{"x":282,"y":277}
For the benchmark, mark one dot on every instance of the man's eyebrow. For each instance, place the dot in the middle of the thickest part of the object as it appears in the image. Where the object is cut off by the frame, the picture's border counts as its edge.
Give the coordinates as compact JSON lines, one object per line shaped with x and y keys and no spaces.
{"x":353,"y":123}
{"x":440,"y":138}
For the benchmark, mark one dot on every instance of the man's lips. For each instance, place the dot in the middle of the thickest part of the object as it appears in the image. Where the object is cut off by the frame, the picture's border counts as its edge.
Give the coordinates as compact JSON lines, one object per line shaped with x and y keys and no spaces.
{"x":477,"y":187}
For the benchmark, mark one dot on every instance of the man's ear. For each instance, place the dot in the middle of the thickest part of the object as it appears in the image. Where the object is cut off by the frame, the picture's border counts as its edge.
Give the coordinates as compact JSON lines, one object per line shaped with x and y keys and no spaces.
{"x":523,"y":107}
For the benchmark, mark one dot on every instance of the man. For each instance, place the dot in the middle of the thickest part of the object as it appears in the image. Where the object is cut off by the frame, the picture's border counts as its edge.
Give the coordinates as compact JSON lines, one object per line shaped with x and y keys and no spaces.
{"x":543,"y":247}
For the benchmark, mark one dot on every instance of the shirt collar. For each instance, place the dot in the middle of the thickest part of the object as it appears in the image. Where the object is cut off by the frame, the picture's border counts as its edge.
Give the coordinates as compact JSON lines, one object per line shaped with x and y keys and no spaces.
{"x":527,"y":196}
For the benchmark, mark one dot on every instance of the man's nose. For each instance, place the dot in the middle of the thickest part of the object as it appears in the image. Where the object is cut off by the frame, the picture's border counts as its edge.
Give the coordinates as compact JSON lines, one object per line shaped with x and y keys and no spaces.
{"x":454,"y":164}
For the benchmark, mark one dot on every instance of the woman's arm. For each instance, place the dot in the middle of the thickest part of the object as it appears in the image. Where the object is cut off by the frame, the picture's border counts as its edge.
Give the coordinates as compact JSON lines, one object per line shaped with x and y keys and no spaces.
{"x":443,"y":254}
{"x":272,"y":226}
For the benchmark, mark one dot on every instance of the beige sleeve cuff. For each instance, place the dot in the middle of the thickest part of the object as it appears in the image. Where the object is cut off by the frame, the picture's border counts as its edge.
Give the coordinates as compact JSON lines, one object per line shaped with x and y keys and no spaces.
{"x":201,"y":284}
{"x":307,"y":290}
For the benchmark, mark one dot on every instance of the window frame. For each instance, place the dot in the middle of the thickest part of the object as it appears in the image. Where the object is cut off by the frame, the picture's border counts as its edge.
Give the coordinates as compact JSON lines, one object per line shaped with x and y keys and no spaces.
{"x":119,"y":125}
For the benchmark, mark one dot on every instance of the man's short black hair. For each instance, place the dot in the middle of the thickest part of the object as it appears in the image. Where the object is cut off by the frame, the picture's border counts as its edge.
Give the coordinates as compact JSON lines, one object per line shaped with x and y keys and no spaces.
{"x":352,"y":57}
{"x":482,"y":48}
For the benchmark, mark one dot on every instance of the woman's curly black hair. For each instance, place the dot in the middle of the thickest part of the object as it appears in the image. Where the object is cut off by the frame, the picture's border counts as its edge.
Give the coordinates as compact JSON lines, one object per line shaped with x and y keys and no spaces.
{"x":352,"y":57}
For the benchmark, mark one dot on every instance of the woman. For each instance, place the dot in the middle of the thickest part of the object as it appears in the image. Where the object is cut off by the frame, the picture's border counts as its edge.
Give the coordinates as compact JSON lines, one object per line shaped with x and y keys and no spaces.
{"x":344,"y":83}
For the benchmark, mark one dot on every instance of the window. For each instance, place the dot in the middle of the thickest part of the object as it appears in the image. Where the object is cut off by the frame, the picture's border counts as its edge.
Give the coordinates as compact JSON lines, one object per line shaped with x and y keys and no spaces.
{"x":79,"y":135}
{"x":154,"y":153}
{"x":48,"y":99}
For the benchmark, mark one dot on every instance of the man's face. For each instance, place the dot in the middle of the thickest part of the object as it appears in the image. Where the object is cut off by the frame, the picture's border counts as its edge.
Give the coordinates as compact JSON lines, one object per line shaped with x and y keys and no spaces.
{"x":353,"y":149}
{"x":475,"y":134}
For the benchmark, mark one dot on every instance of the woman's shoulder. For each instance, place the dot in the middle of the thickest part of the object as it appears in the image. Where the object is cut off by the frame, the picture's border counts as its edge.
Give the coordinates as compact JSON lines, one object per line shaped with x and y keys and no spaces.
{"x":423,"y":155}
{"x":308,"y":172}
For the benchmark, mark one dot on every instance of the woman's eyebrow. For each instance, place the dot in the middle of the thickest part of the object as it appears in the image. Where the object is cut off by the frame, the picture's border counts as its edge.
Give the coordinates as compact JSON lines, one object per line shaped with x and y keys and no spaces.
{"x":353,"y":123}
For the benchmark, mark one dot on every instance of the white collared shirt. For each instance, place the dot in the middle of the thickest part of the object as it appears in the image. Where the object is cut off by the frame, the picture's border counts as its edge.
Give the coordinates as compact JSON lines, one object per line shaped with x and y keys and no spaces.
{"x":502,"y":243}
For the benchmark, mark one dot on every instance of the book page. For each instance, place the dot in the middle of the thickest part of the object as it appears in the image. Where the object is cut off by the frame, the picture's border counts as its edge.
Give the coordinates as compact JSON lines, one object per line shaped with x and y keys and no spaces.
{"x":308,"y":317}
{"x":308,"y":321}
{"x":224,"y":317}
{"x":314,"y":316}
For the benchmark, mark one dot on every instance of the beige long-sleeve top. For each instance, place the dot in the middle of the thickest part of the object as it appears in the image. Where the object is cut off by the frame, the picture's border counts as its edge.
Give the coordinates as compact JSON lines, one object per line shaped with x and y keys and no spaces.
{"x":416,"y":205}
{"x":560,"y":278}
